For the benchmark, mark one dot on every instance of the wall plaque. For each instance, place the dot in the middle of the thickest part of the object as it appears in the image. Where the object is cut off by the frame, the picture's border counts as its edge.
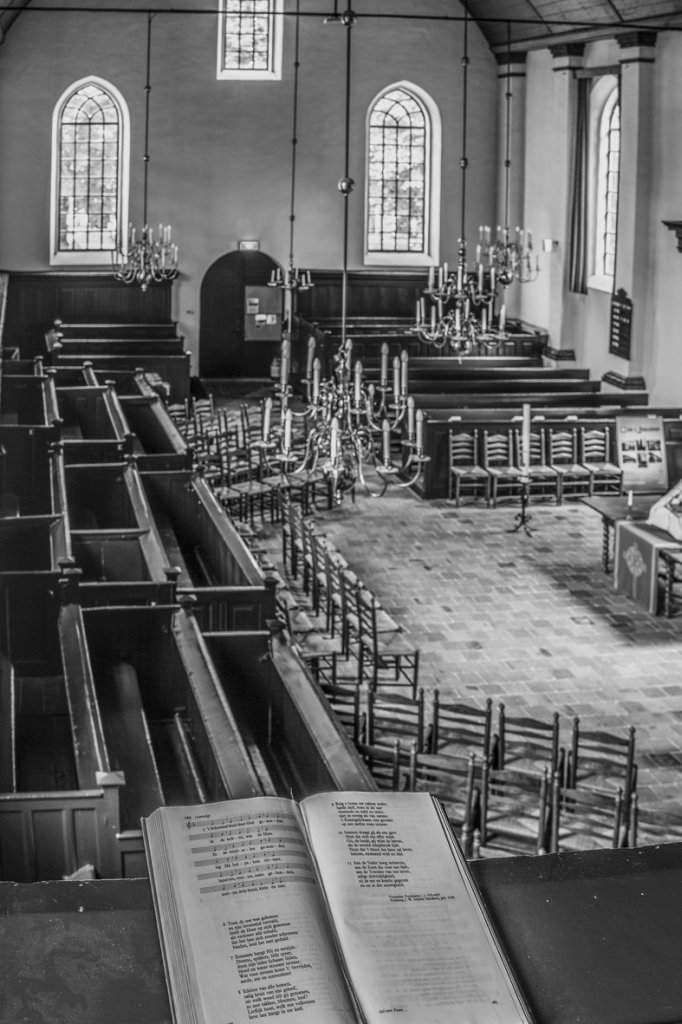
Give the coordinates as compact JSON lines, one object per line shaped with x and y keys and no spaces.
{"x":620,"y":325}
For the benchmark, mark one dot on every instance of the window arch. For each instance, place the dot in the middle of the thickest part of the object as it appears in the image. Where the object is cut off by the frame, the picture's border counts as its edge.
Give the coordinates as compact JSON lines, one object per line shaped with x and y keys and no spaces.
{"x":90,"y":148}
{"x":608,"y":180}
{"x":250,"y":39}
{"x":403,"y":177}
{"x":605,"y":172}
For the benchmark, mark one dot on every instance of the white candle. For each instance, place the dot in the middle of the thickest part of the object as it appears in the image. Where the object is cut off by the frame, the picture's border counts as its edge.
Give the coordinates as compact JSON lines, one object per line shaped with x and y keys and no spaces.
{"x":410,"y":417}
{"x":287,"y":431}
{"x":440,"y":277}
{"x":418,"y":312}
{"x":358,"y":383}
{"x":404,"y":362}
{"x":316,"y":379}
{"x":431,"y":276}
{"x":334,"y":442}
{"x":629,"y":499}
{"x":267,"y":413}
{"x":433,"y":318}
{"x":502,"y":317}
{"x":396,"y":378}
{"x":420,"y":430}
{"x":384,"y":361}
{"x":284,"y":370}
{"x":525,"y":438}
{"x":386,"y":433}
{"x":484,"y":319}
{"x":445,"y":272}
{"x":310,"y":356}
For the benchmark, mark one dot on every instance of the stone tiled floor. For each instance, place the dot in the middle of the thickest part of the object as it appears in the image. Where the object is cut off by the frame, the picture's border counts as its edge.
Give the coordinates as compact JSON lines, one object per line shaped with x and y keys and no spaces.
{"x":530,"y":620}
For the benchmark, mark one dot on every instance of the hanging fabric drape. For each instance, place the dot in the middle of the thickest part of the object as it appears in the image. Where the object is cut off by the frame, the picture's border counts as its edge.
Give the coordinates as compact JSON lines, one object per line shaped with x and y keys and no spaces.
{"x":578,"y":229}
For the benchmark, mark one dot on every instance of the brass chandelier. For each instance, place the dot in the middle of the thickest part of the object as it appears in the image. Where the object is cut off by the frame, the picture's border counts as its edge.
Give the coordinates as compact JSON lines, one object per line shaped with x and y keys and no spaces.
{"x":146,"y":258}
{"x":345,"y":427}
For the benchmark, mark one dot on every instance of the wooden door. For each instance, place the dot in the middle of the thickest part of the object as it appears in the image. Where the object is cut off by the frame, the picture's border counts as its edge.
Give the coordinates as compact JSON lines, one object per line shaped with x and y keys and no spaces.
{"x":223,"y":352}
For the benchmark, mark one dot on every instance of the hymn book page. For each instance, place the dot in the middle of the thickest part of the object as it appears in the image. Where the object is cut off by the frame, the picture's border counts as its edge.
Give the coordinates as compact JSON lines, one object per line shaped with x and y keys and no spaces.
{"x":243,"y":929}
{"x":409,"y":925}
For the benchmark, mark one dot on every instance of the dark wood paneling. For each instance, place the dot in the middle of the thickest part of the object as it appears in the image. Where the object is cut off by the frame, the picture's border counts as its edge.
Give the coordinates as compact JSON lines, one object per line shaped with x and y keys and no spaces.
{"x":34,"y":301}
{"x":369,"y":293}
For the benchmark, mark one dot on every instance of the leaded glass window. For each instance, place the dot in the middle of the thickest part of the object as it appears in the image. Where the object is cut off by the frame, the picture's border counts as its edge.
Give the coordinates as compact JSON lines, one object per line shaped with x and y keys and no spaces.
{"x":250,"y":39}
{"x":397,"y":174}
{"x":89,"y":172}
{"x":611,"y":143}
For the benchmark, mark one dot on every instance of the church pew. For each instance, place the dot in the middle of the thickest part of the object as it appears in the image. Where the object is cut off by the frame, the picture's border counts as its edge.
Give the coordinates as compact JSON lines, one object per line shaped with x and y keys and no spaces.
{"x":288,"y":715}
{"x":218,"y":574}
{"x":491,"y":376}
{"x":494,"y":389}
{"x":74,"y":349}
{"x":117,"y":330}
{"x":173,"y":369}
{"x":157,"y":443}
{"x":443,"y":405}
{"x":92,"y":425}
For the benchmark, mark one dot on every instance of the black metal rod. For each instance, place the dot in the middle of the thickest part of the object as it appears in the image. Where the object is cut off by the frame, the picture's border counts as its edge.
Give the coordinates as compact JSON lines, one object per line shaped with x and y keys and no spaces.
{"x":147,"y":91}
{"x":344,"y":275}
{"x":294,"y":140}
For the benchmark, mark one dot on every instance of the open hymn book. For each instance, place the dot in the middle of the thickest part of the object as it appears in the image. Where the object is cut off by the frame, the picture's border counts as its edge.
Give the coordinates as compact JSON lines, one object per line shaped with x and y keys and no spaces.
{"x":344,"y":907}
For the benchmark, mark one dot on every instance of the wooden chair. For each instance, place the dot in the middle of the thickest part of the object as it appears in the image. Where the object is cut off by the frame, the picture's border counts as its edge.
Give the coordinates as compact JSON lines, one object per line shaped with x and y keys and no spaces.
{"x":595,"y":454}
{"x":528,"y":743}
{"x":345,"y":703}
{"x":461,"y":728}
{"x":466,"y":474}
{"x":587,"y":820}
{"x":385,"y":657}
{"x":455,"y":780}
{"x":515,"y":811}
{"x":317,"y":651}
{"x":388,"y":764}
{"x":601,"y":760}
{"x":573,"y":479}
{"x":497,"y":458}
{"x":651,"y":829}
{"x":395,"y":716}
{"x":542,"y":478}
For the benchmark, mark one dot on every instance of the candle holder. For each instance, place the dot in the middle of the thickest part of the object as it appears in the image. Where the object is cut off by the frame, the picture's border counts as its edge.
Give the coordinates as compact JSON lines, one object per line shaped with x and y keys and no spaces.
{"x":523,"y":517}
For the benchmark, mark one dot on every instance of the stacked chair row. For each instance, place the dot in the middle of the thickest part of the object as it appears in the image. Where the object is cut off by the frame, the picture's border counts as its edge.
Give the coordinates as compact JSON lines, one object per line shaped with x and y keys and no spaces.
{"x":566,"y":460}
{"x":229,"y":450}
{"x":507,"y":786}
{"x":352,"y":618}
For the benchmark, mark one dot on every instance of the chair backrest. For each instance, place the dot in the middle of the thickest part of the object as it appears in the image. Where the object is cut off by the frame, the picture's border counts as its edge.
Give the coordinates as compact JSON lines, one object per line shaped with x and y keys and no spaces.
{"x":385,"y":764}
{"x":456,"y":725}
{"x":595,"y":444}
{"x":345,"y":703}
{"x":562,"y":445}
{"x":463,"y":447}
{"x":583,"y":819}
{"x":497,"y":449}
{"x":515,"y":810}
{"x":456,"y":781}
{"x":524,"y":739}
{"x":596,"y":756}
{"x":393,"y":716}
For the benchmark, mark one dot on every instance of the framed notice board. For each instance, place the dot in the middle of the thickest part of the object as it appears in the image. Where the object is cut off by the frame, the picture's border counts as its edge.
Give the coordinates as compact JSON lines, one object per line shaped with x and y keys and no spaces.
{"x":640,"y":442}
{"x":620,"y":325}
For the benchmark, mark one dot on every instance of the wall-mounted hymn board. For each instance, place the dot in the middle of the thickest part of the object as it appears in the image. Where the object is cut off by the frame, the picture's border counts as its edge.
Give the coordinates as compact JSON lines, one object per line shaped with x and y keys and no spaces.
{"x":620,"y":325}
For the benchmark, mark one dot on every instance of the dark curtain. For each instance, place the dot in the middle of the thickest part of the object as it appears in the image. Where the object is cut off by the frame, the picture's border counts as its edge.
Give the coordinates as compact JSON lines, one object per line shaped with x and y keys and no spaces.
{"x":578,"y":234}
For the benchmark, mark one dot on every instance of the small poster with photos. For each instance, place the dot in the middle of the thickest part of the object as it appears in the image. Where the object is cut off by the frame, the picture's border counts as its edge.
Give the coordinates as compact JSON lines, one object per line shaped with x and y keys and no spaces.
{"x":640,"y":442}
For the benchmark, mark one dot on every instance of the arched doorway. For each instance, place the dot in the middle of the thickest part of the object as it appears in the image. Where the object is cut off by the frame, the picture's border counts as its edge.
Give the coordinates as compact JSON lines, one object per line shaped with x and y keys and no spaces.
{"x":223,"y":352}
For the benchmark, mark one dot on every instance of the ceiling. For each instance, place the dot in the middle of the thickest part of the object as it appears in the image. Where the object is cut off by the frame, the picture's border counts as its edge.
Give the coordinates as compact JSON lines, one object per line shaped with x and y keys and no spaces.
{"x":527,"y":24}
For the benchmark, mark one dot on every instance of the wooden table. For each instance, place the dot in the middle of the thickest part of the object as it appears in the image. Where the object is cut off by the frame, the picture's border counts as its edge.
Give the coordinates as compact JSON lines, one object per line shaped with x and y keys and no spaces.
{"x":611,"y":509}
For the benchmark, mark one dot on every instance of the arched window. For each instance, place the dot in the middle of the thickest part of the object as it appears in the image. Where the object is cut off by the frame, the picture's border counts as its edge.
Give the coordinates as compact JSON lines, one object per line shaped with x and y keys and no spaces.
{"x":403,"y":182}
{"x":89,"y":173}
{"x":608,"y":173}
{"x":250,"y":39}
